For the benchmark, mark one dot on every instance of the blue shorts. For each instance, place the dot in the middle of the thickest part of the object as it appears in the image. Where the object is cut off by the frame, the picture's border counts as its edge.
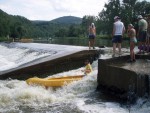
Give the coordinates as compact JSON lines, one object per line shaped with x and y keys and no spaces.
{"x":142,"y":36}
{"x":117,"y":39}
{"x":91,"y":36}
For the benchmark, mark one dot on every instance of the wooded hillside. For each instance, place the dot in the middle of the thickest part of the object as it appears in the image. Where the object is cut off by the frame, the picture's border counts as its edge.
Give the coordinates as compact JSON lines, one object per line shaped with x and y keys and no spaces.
{"x":69,"y":26}
{"x":18,"y":26}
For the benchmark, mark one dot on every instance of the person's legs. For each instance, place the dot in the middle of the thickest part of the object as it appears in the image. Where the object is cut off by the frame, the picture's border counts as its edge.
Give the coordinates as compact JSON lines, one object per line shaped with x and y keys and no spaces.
{"x":114,"y":41}
{"x":114,"y":49}
{"x":119,"y":48}
{"x":94,"y":43}
{"x":148,"y":44}
{"x":140,"y":47}
{"x":140,"y":40}
{"x":143,"y":41}
{"x":133,"y":52}
{"x":89,"y":43}
{"x":119,"y":44}
{"x":132,"y":55}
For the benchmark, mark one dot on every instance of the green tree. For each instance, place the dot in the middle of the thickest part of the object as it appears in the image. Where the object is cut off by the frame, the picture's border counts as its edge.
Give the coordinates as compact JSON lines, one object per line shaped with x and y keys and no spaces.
{"x":71,"y":31}
{"x":113,"y":8}
{"x":126,"y":9}
{"x":61,"y":32}
{"x":86,"y":21}
{"x":142,"y":8}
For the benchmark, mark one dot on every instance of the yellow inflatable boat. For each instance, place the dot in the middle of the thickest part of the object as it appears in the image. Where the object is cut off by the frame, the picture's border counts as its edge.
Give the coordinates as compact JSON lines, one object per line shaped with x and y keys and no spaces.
{"x":53,"y":82}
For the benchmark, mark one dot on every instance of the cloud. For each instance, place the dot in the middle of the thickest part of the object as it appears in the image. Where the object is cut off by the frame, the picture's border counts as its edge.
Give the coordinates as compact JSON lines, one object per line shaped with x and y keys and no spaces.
{"x":51,"y":9}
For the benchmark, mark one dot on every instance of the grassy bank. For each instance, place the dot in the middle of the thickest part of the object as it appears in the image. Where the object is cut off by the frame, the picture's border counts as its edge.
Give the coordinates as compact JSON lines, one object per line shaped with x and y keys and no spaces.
{"x":4,"y":39}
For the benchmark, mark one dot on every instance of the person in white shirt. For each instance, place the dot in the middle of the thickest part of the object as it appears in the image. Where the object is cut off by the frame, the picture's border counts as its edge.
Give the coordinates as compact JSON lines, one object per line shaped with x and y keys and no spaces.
{"x":117,"y":34}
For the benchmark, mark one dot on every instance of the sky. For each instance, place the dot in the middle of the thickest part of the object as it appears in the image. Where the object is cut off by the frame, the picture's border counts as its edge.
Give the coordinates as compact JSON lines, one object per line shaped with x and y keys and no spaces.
{"x":51,"y":9}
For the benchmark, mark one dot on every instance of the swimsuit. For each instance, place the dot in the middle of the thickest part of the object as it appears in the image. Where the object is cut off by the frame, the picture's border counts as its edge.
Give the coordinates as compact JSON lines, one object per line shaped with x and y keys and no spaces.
{"x":133,"y":40}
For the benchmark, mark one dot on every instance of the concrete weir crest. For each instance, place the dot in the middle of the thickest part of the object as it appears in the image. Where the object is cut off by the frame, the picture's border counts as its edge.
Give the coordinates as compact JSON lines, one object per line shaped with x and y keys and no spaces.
{"x":122,"y":79}
{"x":46,"y":66}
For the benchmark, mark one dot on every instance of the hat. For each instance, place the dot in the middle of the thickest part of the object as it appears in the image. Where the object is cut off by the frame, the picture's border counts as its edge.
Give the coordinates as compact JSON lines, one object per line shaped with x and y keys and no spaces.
{"x":139,"y":17}
{"x":130,"y":25}
{"x":116,"y":17}
{"x":92,"y":24}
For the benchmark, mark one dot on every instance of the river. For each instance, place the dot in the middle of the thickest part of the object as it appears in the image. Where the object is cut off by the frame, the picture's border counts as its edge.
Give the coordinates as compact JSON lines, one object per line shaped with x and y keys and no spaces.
{"x":78,"y":97}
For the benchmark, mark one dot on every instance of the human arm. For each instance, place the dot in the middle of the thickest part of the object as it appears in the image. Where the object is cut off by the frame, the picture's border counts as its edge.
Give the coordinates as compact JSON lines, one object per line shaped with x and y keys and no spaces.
{"x":123,"y":31}
{"x":113,"y":32}
{"x":95,"y":31}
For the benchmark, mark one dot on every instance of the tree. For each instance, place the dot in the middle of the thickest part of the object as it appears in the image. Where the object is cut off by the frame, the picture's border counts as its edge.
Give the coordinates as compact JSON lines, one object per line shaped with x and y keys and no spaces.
{"x":142,"y":8}
{"x":106,"y":17}
{"x":127,"y":10}
{"x":61,"y":32}
{"x":86,"y":21}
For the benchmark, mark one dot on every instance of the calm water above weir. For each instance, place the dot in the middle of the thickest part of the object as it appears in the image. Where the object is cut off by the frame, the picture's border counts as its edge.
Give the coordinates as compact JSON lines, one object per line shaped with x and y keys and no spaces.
{"x":78,"y":97}
{"x":81,"y":42}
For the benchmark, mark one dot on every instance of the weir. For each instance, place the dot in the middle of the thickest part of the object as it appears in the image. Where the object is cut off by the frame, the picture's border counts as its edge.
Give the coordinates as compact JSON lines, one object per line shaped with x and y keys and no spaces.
{"x":44,"y":67}
{"x":122,"y":79}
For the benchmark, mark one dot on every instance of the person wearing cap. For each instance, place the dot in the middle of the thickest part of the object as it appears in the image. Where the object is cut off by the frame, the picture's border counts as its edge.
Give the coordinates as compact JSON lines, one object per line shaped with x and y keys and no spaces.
{"x":117,"y":34}
{"x":132,"y":35}
{"x":142,"y":33}
{"x":92,"y":35}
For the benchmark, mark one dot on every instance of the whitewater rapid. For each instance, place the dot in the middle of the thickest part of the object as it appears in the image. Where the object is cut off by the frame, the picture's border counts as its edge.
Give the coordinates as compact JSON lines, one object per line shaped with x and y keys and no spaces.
{"x":78,"y":97}
{"x":15,"y":54}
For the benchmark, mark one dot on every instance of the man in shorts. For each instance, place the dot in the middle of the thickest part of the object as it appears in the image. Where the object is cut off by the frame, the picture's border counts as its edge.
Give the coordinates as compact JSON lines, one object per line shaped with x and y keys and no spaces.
{"x":117,"y":33}
{"x":142,"y":33}
{"x":92,"y":35}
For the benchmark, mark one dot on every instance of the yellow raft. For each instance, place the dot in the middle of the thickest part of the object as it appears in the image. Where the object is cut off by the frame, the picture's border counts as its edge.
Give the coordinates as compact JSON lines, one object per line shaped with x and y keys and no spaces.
{"x":53,"y":82}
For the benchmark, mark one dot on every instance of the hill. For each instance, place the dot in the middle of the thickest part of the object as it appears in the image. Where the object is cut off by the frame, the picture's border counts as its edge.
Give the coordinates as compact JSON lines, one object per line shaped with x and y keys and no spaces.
{"x":67,"y":20}
{"x":18,"y":26}
{"x":60,"y":20}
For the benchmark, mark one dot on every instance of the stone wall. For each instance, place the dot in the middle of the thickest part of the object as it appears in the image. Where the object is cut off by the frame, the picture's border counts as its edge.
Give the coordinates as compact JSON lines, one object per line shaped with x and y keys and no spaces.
{"x":115,"y":80}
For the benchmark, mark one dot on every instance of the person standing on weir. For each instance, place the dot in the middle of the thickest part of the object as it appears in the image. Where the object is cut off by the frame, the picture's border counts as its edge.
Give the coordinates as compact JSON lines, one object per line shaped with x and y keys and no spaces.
{"x":117,"y":34}
{"x":92,"y":35}
{"x":132,"y":35}
{"x":142,"y":33}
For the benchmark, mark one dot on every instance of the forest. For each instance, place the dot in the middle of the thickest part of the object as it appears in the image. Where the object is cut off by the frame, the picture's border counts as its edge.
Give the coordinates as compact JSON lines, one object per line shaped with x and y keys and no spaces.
{"x":16,"y":26}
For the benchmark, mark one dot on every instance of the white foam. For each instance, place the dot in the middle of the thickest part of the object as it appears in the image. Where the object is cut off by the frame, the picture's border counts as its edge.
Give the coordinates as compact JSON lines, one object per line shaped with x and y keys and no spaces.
{"x":74,"y":96}
{"x":15,"y":54}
